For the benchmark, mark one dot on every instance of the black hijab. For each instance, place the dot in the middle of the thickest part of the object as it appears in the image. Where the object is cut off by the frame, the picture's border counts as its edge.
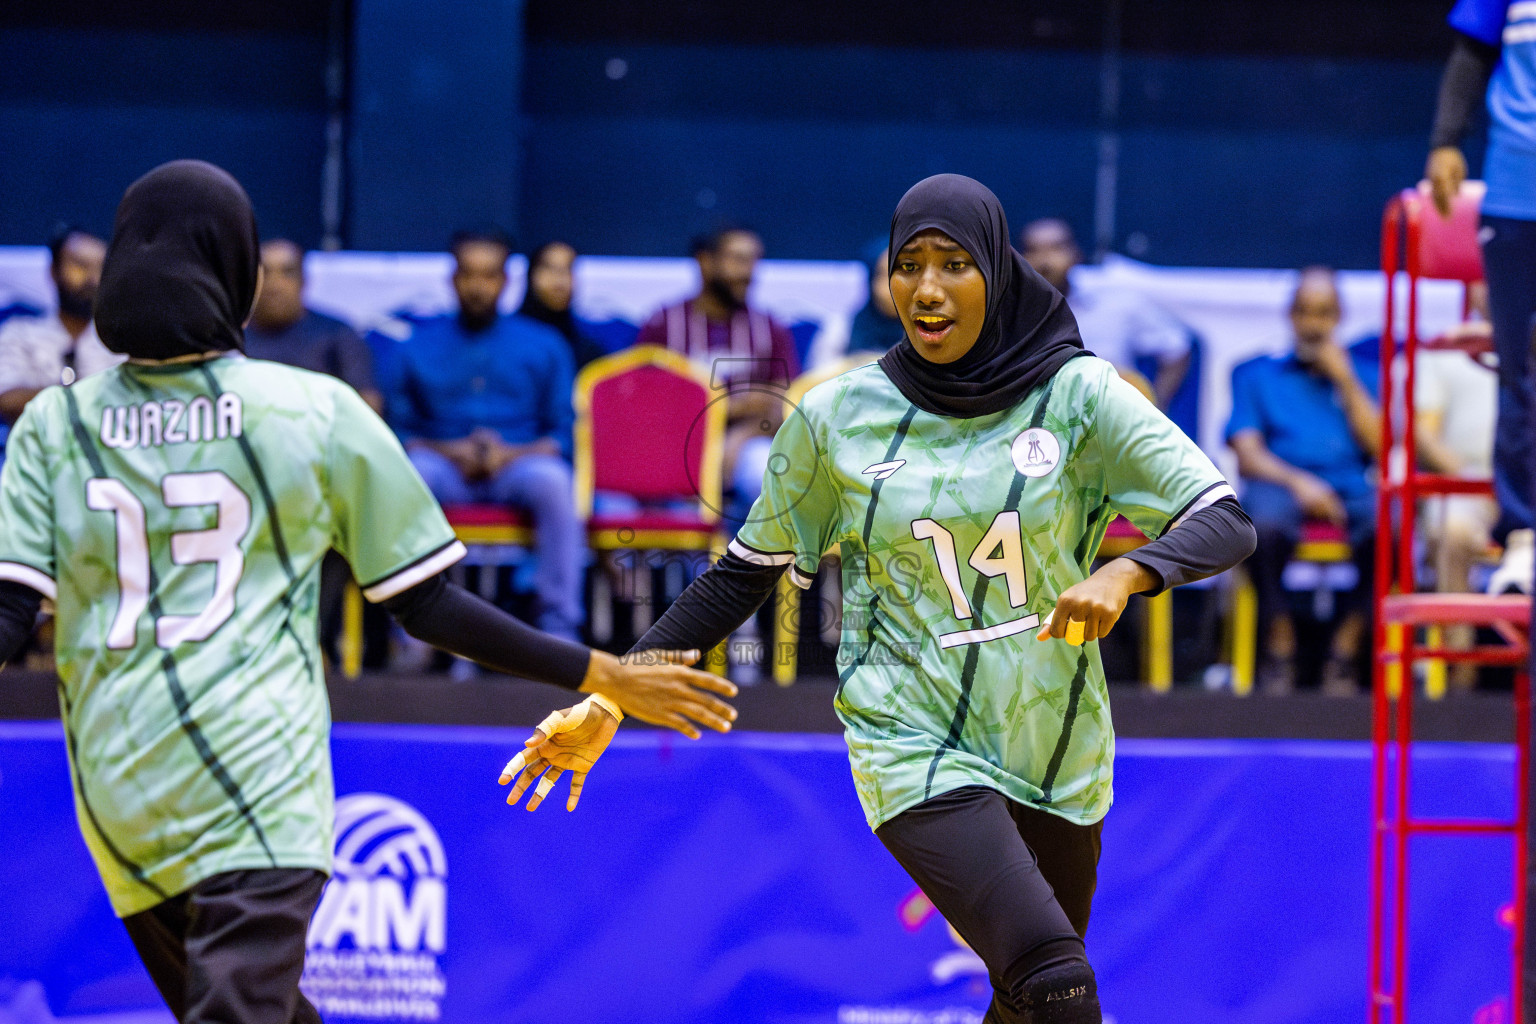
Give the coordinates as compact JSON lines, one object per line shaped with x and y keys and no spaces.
{"x":583,"y":348}
{"x":1029,"y":332}
{"x":180,"y":274}
{"x":562,"y":320}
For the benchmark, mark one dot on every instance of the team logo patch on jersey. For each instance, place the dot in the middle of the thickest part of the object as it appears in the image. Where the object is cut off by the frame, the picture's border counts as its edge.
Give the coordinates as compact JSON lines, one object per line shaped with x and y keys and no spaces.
{"x":883,"y":470}
{"x":1035,"y":452}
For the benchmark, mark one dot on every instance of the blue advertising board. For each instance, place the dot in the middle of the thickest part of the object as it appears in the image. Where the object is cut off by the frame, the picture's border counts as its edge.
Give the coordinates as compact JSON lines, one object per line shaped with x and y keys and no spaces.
{"x":734,"y":880}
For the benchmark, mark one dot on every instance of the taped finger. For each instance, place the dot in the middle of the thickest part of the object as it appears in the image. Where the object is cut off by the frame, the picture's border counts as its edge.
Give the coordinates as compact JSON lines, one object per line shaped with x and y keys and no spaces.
{"x":530,"y":773}
{"x":546,"y":784}
{"x":514,"y":766}
{"x":552,"y":723}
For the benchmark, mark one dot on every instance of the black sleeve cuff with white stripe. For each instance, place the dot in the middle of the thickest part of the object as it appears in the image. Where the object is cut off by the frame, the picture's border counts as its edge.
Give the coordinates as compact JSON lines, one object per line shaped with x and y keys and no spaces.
{"x":775,"y":559}
{"x":1204,"y":541}
{"x":1205,"y":499}
{"x":424,"y":568}
{"x":26,"y":575}
{"x":719,"y":601}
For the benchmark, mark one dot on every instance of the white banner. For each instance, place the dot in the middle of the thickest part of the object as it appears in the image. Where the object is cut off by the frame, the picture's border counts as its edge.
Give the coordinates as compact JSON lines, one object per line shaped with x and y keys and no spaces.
{"x":1238,"y":313}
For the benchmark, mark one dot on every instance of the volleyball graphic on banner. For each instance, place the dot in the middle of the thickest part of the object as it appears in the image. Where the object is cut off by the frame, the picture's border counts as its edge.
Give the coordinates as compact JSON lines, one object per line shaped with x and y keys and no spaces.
{"x":382,"y":922}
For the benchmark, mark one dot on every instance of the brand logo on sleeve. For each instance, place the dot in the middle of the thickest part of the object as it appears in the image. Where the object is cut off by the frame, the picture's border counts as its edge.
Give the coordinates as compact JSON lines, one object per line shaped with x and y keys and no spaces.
{"x":884,"y":470}
{"x":382,"y":922}
{"x":1036,"y":452}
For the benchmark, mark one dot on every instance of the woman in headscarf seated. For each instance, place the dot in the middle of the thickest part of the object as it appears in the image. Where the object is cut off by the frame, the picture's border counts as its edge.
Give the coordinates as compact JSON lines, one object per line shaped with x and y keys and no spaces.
{"x":550,"y":299}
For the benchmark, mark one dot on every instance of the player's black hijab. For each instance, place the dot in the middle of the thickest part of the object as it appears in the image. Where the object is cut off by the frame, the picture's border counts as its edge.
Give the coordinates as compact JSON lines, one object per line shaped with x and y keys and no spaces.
{"x":180,"y":274}
{"x":1028,"y":333}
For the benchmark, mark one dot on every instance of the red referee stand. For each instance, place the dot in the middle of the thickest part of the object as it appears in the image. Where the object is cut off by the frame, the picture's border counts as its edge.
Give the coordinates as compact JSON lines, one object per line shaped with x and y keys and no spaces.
{"x":1417,"y":244}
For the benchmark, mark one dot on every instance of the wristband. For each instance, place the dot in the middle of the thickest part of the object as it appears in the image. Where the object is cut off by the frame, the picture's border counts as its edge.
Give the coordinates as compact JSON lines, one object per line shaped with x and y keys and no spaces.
{"x":607,"y":705}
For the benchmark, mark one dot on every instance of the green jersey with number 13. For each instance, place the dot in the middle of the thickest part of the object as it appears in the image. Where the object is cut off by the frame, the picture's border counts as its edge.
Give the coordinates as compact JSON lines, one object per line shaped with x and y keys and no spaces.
{"x":177,"y":516}
{"x":956,"y":538}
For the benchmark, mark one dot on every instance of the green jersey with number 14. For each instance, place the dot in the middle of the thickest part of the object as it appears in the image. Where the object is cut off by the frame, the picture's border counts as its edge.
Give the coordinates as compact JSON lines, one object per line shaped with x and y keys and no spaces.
{"x":177,"y":516}
{"x":956,"y":538}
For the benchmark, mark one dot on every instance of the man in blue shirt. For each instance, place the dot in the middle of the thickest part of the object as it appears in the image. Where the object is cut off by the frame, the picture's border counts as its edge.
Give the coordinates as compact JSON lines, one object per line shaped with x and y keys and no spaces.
{"x":1494,"y":58}
{"x":1306,"y":429}
{"x":483,"y":403}
{"x":284,"y":330}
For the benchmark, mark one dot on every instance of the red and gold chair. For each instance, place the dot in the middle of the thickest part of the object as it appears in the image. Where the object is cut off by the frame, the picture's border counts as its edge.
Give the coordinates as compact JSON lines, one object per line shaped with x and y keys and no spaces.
{"x":649,"y":426}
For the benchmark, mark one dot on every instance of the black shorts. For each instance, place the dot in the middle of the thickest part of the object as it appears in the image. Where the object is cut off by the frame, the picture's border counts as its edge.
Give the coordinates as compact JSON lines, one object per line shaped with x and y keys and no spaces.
{"x":1015,"y":882}
{"x":231,"y":948}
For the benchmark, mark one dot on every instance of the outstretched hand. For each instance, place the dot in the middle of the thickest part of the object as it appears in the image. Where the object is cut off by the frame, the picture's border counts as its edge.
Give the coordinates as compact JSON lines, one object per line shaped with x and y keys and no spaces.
{"x":657,"y":687}
{"x":567,"y":741}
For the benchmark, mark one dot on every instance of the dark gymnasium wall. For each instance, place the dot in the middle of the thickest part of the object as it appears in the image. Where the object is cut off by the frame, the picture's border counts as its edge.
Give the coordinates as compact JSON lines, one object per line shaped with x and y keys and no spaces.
{"x":93,"y":94}
{"x":1238,"y":133}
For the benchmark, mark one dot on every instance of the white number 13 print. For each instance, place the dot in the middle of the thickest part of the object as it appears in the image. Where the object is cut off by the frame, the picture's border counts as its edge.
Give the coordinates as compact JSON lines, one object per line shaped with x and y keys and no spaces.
{"x":219,"y":545}
{"x":1000,"y":552}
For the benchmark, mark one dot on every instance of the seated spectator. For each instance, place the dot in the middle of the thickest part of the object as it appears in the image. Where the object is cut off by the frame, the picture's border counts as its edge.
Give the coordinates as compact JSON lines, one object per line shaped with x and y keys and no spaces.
{"x":1306,"y":428}
{"x":283,"y":330}
{"x":548,"y":299}
{"x":59,"y":347}
{"x":874,"y":329}
{"x":484,"y":406}
{"x":744,"y":350}
{"x":1455,"y":399}
{"x":1117,"y":324}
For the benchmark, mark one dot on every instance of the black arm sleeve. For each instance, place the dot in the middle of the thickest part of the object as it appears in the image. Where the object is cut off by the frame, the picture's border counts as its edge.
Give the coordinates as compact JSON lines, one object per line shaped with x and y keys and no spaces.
{"x":1462,"y":88}
{"x":1212,"y":540}
{"x":712,"y":606}
{"x":449,"y":617}
{"x":18,"y":616}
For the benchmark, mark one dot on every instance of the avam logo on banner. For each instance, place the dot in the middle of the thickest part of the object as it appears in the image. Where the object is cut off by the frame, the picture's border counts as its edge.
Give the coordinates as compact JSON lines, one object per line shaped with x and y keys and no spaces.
{"x":382,"y":922}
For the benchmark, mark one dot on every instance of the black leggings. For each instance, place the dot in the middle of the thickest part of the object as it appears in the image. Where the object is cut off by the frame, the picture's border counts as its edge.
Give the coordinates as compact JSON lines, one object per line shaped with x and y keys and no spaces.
{"x":1015,"y":882}
{"x":230,"y":950}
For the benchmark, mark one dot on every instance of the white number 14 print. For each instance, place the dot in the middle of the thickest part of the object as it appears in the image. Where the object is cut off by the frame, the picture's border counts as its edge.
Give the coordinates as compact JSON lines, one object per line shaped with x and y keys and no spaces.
{"x":1000,"y":552}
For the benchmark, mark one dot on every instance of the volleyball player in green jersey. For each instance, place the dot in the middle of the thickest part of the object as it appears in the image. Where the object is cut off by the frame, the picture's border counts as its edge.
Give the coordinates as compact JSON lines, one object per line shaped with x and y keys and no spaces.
{"x":967,"y":480}
{"x":176,"y":510}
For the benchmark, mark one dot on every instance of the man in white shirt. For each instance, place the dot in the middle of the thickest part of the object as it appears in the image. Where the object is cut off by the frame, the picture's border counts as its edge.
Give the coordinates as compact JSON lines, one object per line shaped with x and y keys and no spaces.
{"x":59,"y":347}
{"x":1117,"y":325}
{"x":1455,"y":401}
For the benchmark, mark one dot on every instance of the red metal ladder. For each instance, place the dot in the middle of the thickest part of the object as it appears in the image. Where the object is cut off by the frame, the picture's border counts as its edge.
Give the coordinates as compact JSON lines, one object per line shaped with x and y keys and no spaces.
{"x":1416,"y":244}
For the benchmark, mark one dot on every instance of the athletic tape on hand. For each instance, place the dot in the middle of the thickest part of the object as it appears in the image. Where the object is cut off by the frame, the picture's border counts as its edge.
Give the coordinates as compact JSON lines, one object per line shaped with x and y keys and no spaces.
{"x":516,"y":765}
{"x":556,"y":721}
{"x":1077,"y":630}
{"x":607,"y":705}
